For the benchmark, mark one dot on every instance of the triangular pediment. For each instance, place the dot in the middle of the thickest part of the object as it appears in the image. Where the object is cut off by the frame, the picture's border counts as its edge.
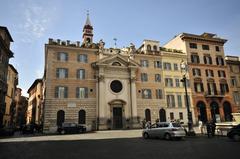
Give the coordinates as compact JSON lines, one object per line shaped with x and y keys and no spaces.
{"x":117,"y":60}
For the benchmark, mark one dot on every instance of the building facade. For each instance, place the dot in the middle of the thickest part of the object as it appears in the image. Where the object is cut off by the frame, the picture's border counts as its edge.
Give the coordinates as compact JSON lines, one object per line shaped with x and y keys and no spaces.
{"x":233,"y":64}
{"x":12,"y":82}
{"x":5,"y":55}
{"x":35,"y":103}
{"x":111,"y":88}
{"x":211,"y":94}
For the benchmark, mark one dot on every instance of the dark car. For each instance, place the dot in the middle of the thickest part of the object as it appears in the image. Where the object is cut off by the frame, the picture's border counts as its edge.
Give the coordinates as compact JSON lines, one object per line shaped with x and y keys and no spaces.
{"x":71,"y":128}
{"x":7,"y":131}
{"x":28,"y":129}
{"x":234,"y":133}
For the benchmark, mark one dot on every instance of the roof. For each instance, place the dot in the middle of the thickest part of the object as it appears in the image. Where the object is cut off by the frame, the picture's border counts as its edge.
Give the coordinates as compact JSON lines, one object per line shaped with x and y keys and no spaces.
{"x":13,"y":68}
{"x":34,"y":84}
{"x":6,"y":30}
{"x":88,"y":21}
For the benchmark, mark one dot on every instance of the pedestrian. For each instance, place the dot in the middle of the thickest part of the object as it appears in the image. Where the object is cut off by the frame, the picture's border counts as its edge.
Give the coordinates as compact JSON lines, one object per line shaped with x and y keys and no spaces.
{"x":200,"y":126}
{"x":208,"y":129}
{"x":213,"y":127}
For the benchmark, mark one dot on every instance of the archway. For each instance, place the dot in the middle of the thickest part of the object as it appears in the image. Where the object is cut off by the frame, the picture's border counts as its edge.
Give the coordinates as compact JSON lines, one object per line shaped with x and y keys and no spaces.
{"x":60,"y":117}
{"x":215,"y":111}
{"x":227,"y":111}
{"x":148,"y":115}
{"x":202,"y":111}
{"x":162,"y":115}
{"x":82,"y":117}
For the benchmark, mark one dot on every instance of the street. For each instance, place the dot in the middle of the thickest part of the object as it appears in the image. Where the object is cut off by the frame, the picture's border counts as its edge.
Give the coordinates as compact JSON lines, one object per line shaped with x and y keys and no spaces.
{"x":116,"y":144}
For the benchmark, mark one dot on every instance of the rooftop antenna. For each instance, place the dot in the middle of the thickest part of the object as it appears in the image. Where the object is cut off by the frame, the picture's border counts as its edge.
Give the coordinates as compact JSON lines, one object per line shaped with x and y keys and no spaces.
{"x":115,"y":43}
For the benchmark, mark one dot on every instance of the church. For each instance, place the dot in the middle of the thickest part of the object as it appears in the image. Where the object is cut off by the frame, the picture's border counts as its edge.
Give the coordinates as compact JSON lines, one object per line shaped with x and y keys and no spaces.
{"x":113,"y":88}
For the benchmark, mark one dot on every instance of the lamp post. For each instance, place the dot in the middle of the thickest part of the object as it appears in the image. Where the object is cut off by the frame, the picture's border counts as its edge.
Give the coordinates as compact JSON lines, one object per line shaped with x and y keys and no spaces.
{"x":190,"y":132}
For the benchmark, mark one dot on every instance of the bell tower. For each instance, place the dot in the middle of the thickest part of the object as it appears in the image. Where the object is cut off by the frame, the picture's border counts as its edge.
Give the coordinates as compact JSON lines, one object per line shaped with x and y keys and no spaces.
{"x":87,"y":31}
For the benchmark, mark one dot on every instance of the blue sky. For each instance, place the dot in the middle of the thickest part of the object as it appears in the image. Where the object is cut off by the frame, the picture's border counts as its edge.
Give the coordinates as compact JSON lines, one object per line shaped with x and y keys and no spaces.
{"x":32,"y":22}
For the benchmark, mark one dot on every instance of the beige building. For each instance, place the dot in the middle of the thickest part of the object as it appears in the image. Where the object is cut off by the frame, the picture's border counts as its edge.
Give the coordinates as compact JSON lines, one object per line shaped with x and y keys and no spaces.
{"x":212,"y":97}
{"x":111,"y":88}
{"x":35,"y":103}
{"x":12,"y":82}
{"x":233,"y":64}
{"x":5,"y":55}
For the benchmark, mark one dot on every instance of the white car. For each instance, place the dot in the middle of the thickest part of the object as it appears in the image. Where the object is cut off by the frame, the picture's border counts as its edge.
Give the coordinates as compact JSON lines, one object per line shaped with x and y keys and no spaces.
{"x":165,"y":130}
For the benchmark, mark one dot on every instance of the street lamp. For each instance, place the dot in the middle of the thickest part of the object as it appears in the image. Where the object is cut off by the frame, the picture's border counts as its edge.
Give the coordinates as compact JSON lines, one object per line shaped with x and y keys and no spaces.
{"x":184,"y":70}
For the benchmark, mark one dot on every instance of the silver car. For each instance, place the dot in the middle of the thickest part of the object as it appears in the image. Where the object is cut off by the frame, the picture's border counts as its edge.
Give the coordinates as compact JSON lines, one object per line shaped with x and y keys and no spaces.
{"x":165,"y":130}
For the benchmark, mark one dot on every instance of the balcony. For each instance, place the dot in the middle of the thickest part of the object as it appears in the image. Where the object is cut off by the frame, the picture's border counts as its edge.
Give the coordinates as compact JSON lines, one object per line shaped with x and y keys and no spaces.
{"x":216,"y":94}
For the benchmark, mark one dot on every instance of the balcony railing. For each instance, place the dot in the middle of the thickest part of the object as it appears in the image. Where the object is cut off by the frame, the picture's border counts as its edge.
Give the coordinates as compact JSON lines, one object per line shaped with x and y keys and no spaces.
{"x":215,"y":94}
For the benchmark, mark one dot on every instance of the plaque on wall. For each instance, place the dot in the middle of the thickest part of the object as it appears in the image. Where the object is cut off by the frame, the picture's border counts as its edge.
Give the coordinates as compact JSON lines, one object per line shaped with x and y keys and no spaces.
{"x":71,"y":104}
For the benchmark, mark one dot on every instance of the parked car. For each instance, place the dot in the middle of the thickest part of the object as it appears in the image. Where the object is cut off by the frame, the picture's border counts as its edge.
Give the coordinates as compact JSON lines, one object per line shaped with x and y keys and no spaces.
{"x":7,"y":131}
{"x":28,"y":129}
{"x":234,"y":133}
{"x":71,"y":128}
{"x":165,"y":130}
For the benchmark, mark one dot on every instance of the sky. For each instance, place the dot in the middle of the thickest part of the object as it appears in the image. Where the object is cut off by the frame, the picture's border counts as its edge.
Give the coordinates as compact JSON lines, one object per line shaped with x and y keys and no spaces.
{"x":32,"y":22}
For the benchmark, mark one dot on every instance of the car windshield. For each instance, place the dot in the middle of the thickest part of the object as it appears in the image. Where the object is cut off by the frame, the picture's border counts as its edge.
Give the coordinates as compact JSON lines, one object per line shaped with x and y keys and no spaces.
{"x":176,"y":124}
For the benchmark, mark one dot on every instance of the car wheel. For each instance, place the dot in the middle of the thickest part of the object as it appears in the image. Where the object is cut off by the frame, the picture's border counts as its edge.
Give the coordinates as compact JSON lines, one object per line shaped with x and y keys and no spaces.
{"x":145,"y":135}
{"x":167,"y":136}
{"x":236,"y":137}
{"x":63,"y":132}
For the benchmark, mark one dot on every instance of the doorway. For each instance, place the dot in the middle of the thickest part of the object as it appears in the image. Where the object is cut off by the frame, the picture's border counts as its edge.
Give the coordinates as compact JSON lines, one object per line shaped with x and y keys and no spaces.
{"x":117,"y":118}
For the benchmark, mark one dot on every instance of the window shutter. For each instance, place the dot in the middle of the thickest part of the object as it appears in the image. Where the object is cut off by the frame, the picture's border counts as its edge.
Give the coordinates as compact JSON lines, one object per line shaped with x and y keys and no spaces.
{"x":86,"y":92}
{"x":199,"y":72}
{"x":155,"y":64}
{"x":78,"y":74}
{"x":195,"y":87}
{"x":212,"y":74}
{"x":202,"y":88}
{"x":77,"y":92}
{"x":206,"y":72}
{"x":205,"y":60}
{"x":198,"y":60}
{"x":57,"y":73}
{"x":157,"y":95}
{"x":56,"y":92}
{"x":84,"y":75}
{"x":160,"y":94}
{"x":192,"y":58}
{"x":194,"y":71}
{"x":215,"y":89}
{"x":217,"y":61}
{"x":219,"y":74}
{"x":66,"y":71}
{"x":86,"y":59}
{"x":210,"y":60}
{"x":224,"y":74}
{"x":58,"y":56}
{"x":227,"y":89}
{"x":66,"y":56}
{"x":150,"y":93}
{"x":147,"y":62}
{"x":65,"y":92}
{"x":209,"y":91}
{"x":222,"y":60}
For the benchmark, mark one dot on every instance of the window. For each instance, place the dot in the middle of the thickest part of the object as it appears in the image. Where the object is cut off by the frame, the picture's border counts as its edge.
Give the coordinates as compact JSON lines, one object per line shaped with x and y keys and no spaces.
{"x":144,"y":77}
{"x":236,"y":97}
{"x":62,"y":73}
{"x":188,"y":98}
{"x":170,"y":101}
{"x":180,"y":115}
{"x":209,"y":73}
{"x":144,"y":63}
{"x":167,"y":66}
{"x":234,"y":81}
{"x":81,"y":92}
{"x":154,"y":48}
{"x":82,"y":117}
{"x":62,"y":56}
{"x":212,"y":88}
{"x":193,"y":45}
{"x":205,"y":47}
{"x":149,"y":48}
{"x":168,"y":82}
{"x":177,"y":82}
{"x":146,"y":94}
{"x":157,"y":64}
{"x":81,"y":74}
{"x":157,"y":78}
{"x":224,"y":88}
{"x":198,"y":87}
{"x":195,"y":58}
{"x":61,"y":92}
{"x":82,"y":58}
{"x":196,"y":72}
{"x":207,"y":60}
{"x":187,"y":83}
{"x":179,"y":99}
{"x":60,"y":117}
{"x":116,"y":86}
{"x":175,"y":66}
{"x":159,"y":94}
{"x":217,"y":48}
{"x":171,"y":116}
{"x":219,"y":60}
{"x":221,"y":73}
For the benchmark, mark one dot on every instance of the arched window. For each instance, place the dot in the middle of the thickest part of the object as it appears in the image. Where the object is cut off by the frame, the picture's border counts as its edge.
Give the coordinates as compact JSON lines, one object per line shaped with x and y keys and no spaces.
{"x":202,"y":114}
{"x":116,"y":64}
{"x":82,"y":117}
{"x":162,"y":115}
{"x":214,"y":110}
{"x":154,"y":48}
{"x":149,"y":48}
{"x":60,"y":117}
{"x":148,"y":115}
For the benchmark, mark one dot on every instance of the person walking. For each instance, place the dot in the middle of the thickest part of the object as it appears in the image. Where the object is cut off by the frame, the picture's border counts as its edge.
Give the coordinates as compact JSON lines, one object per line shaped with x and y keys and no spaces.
{"x":200,"y":126}
{"x":208,"y":125}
